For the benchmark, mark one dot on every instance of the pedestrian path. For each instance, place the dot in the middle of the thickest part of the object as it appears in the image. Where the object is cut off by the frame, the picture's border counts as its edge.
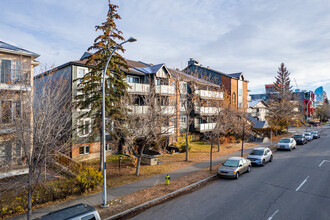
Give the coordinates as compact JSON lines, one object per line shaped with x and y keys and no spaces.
{"x":96,"y":199}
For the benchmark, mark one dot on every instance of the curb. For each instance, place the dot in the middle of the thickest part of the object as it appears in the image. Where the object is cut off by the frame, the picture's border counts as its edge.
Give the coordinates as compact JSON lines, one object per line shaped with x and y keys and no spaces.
{"x":121,"y":214}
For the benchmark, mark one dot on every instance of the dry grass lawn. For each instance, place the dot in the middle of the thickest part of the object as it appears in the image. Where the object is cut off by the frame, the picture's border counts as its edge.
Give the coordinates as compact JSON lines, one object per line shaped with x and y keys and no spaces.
{"x":199,"y":152}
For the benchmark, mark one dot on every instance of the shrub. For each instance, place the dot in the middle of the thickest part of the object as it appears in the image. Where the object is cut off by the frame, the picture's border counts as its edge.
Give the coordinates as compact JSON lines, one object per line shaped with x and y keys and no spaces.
{"x":89,"y":179}
{"x":13,"y":202}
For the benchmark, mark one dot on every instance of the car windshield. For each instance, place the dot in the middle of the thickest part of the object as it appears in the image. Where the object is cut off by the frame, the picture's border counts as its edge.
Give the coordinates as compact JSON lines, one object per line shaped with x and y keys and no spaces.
{"x":257,"y":152}
{"x":314,"y":132}
{"x":285,"y":141}
{"x":231,"y":163}
{"x":297,"y":136}
{"x":308,"y":134}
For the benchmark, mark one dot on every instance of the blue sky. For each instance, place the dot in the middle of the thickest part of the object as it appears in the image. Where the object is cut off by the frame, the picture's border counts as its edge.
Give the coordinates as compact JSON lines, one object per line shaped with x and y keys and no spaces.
{"x":252,"y":37}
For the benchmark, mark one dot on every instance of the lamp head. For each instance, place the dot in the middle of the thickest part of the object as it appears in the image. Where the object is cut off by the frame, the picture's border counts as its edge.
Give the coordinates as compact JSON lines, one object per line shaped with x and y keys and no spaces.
{"x":131,"y":39}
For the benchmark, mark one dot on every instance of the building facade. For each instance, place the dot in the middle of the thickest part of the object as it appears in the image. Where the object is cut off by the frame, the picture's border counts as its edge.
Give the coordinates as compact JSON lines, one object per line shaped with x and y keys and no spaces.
{"x":16,"y":87}
{"x":234,"y":83}
{"x":258,"y":109}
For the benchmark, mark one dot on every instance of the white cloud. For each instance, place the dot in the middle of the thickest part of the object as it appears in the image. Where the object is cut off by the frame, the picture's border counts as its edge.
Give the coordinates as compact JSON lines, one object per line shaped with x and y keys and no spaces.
{"x":253,"y":37}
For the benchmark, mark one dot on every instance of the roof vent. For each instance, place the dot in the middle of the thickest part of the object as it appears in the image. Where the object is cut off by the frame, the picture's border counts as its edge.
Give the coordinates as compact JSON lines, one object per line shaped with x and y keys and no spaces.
{"x":192,"y":62}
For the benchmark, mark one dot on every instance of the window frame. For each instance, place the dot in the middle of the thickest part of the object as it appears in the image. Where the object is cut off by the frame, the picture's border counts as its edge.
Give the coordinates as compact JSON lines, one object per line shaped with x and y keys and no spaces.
{"x":79,"y":129}
{"x":79,"y":76}
{"x":85,"y":147}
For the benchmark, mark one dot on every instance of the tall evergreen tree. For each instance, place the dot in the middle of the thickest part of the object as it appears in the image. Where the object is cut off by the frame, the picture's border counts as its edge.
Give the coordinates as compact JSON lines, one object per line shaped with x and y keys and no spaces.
{"x":283,"y":107}
{"x":282,"y":83}
{"x":115,"y":86}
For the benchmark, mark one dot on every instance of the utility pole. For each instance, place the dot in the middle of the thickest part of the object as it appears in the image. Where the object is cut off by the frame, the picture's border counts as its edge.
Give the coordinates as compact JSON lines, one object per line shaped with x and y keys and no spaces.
{"x":211,"y":152}
{"x":187,"y":139}
{"x":243,"y":139}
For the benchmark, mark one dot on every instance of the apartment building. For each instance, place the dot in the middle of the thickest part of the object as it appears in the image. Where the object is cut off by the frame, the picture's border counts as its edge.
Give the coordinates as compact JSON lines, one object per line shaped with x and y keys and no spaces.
{"x":258,"y":109}
{"x":198,"y":100}
{"x":16,"y":86}
{"x":142,"y":79}
{"x":234,"y":83}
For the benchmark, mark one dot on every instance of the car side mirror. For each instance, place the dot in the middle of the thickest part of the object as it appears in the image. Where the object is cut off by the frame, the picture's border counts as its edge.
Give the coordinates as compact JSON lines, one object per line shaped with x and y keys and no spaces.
{"x":240,"y":165}
{"x":223,"y":163}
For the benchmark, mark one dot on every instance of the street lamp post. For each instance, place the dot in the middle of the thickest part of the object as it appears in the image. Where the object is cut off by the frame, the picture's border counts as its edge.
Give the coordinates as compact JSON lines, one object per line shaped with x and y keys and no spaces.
{"x":307,"y":113}
{"x":105,"y":204}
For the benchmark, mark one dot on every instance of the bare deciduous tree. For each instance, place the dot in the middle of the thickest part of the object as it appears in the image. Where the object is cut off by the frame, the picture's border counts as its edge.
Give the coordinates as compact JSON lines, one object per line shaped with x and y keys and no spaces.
{"x":41,"y":126}
{"x":144,"y":124}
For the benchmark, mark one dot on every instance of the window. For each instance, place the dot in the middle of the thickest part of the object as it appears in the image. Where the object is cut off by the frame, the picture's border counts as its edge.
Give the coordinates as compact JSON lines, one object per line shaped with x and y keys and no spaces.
{"x":6,"y":112}
{"x":133,"y":79}
{"x":84,"y":149}
{"x":183,"y":88}
{"x":10,"y":71}
{"x":18,"y":150}
{"x":183,"y":119}
{"x":81,"y":73}
{"x":108,"y":147}
{"x":241,"y":162}
{"x":84,"y":127}
{"x":17,"y":75}
{"x":83,"y":98}
{"x":234,"y":97}
{"x":89,"y":217}
{"x":5,"y":72}
{"x":18,"y":109}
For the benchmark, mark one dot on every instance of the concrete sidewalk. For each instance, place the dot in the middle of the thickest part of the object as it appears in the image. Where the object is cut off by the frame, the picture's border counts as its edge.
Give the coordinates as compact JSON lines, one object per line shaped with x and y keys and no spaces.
{"x":96,"y":199}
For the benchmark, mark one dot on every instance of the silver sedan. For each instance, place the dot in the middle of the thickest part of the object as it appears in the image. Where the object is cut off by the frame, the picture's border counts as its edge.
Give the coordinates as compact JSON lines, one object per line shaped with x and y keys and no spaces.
{"x":234,"y":167}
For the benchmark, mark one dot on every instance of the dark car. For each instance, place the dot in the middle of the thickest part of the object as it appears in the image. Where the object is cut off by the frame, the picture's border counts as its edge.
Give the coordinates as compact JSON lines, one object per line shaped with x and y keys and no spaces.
{"x":300,"y":139}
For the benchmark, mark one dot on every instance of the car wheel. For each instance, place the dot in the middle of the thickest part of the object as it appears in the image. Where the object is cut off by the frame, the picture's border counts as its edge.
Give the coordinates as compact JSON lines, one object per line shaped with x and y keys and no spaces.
{"x":249,"y":169}
{"x":263,"y":163}
{"x":290,"y":149}
{"x":271,"y":159}
{"x":237,"y":175}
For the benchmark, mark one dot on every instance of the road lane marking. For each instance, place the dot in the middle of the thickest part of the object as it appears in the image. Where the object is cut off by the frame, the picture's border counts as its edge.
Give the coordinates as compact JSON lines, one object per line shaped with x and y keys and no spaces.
{"x":323,"y":162}
{"x":302,"y":184}
{"x":272,"y":216}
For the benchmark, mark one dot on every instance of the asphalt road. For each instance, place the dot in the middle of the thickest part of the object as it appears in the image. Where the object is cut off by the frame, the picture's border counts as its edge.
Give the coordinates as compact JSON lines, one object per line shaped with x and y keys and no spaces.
{"x":296,"y":185}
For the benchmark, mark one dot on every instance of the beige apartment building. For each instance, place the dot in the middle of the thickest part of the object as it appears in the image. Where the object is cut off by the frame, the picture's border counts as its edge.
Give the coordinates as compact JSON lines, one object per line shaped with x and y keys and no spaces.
{"x":16,"y":86}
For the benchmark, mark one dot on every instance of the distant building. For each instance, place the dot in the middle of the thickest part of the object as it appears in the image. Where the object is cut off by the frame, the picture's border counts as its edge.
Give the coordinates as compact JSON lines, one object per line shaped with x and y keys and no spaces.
{"x":234,"y":83}
{"x":258,"y":109}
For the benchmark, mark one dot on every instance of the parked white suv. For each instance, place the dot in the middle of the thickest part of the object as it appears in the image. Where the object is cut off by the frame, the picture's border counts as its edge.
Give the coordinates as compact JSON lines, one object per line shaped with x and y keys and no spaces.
{"x":260,"y":155}
{"x":287,"y":144}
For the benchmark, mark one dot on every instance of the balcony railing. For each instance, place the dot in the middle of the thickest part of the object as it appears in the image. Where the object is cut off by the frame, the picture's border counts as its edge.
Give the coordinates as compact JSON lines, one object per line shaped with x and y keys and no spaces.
{"x":166,"y":130}
{"x":204,"y":127}
{"x":138,"y":109}
{"x":206,"y":94}
{"x":165,"y":89}
{"x":138,"y":88}
{"x":207,"y":110}
{"x":167,"y":110}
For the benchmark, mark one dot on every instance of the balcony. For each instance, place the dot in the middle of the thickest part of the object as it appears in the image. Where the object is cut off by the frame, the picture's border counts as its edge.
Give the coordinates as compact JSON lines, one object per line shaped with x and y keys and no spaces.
{"x":138,"y":88}
{"x":138,"y":109}
{"x":205,"y":127}
{"x":207,"y":110}
{"x":206,"y":94}
{"x":167,"y":130}
{"x":168,"y":110}
{"x":165,"y":90}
